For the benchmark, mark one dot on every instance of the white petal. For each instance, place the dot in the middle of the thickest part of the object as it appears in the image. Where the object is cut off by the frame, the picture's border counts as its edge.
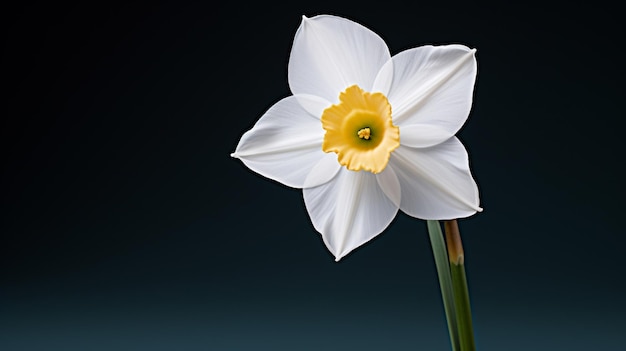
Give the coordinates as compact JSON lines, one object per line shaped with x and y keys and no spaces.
{"x":436,"y":182}
{"x":349,"y":210}
{"x":423,"y":135}
{"x":433,"y":85}
{"x":388,"y":182}
{"x":331,"y":53}
{"x":285,"y":143}
{"x":384,"y":78}
{"x":325,"y":170}
{"x":314,"y":105}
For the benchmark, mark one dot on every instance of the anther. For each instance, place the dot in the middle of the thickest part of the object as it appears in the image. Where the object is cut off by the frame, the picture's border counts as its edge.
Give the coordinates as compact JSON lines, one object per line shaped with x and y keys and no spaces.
{"x":364,"y":133}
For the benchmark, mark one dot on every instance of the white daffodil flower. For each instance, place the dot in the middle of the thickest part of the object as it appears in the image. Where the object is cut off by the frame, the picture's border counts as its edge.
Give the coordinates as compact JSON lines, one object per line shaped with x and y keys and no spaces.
{"x":365,"y":134}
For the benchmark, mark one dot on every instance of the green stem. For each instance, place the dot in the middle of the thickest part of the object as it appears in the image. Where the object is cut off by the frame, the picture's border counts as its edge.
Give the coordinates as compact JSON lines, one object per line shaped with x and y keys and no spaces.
{"x":459,"y":286}
{"x":462,"y":303}
{"x":445,"y":280}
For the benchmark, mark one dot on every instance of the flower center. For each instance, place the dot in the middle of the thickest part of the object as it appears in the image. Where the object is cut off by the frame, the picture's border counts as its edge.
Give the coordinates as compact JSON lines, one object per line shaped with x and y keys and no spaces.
{"x":364,"y":133}
{"x":359,"y":129}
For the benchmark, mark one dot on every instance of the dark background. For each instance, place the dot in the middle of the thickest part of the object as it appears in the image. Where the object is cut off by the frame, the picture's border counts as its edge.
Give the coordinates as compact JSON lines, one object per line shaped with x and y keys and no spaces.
{"x":126,"y":225}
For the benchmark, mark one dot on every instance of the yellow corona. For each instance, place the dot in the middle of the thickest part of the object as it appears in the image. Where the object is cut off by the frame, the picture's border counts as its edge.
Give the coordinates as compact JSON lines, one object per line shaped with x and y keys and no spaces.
{"x":359,"y":129}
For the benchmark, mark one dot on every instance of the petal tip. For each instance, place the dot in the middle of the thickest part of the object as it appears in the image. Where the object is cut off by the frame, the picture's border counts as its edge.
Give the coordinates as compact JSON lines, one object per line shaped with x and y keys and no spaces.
{"x":234,"y":155}
{"x":340,"y":256}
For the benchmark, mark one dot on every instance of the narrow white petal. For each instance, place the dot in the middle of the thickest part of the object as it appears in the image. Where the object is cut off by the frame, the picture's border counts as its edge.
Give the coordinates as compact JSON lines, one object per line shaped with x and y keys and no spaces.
{"x":331,"y":53}
{"x":423,"y":135}
{"x":349,"y":210}
{"x":436,"y":182}
{"x":433,"y":85}
{"x":285,"y":143}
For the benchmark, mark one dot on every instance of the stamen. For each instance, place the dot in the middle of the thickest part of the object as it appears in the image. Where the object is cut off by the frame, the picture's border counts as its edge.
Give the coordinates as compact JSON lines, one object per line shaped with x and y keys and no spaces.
{"x":364,"y":133}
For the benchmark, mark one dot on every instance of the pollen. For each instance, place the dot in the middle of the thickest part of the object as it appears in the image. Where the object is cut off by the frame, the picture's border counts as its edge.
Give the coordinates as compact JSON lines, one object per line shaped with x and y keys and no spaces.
{"x":360,"y":131}
{"x":364,"y":133}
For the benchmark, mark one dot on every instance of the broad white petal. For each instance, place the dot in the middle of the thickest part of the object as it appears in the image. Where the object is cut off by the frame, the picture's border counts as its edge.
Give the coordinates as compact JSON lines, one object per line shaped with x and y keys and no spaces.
{"x":285,"y":143}
{"x":331,"y":53}
{"x":423,"y":135}
{"x":433,"y":85}
{"x":349,"y":210}
{"x":436,"y":182}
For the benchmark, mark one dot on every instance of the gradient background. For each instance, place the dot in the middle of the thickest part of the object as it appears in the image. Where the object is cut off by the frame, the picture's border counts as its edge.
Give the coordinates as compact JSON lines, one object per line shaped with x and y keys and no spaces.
{"x":126,"y":225}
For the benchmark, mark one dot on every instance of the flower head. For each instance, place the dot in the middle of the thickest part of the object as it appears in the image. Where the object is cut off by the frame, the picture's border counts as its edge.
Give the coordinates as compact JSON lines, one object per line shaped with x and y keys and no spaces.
{"x":366,"y":134}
